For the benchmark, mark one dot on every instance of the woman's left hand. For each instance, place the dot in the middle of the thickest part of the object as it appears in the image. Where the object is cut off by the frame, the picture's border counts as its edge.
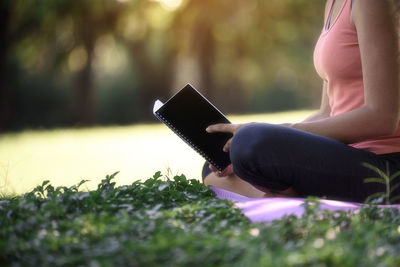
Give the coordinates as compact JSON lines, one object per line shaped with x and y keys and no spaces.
{"x":225,"y":128}
{"x":226,"y":172}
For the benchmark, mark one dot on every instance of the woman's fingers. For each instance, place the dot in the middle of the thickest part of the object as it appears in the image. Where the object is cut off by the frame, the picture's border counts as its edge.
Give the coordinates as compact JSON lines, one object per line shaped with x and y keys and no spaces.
{"x":212,"y":168}
{"x":227,"y":171}
{"x":225,"y":128}
{"x":222,"y":127}
{"x":227,"y":146}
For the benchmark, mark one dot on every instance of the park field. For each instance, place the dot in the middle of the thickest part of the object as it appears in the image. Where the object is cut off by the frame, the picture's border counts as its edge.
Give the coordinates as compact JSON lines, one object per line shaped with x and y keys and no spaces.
{"x":66,"y":156}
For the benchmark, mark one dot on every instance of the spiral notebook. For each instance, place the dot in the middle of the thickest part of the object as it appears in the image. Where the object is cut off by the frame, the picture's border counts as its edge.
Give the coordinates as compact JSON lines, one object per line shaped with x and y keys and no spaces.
{"x":188,"y":113}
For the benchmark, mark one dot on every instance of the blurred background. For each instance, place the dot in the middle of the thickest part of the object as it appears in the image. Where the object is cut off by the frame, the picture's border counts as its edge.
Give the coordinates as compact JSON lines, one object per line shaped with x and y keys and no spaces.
{"x":76,"y":63}
{"x":73,"y":64}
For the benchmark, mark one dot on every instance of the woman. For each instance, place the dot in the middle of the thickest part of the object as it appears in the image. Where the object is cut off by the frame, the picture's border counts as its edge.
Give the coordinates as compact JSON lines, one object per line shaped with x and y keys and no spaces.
{"x":357,"y":57}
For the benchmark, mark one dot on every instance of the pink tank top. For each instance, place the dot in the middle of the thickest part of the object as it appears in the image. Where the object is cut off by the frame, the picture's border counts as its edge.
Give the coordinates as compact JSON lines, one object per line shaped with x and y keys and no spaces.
{"x":337,"y":60}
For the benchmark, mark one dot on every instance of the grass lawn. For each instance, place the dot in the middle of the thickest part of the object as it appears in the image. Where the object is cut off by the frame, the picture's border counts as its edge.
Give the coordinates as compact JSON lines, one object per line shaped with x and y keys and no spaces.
{"x":66,"y":156}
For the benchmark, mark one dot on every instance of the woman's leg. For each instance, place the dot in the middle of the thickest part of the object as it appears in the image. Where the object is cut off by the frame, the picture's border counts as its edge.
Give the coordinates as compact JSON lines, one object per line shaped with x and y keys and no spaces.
{"x":280,"y":158}
{"x":234,"y":184}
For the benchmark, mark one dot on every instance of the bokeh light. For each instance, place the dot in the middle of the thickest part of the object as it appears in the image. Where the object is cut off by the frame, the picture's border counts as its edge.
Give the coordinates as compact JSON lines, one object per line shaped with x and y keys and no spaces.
{"x":170,"y":5}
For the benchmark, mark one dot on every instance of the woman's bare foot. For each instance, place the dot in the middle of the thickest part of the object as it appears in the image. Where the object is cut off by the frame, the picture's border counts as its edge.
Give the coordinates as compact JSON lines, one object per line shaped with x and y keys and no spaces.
{"x":285,"y":193}
{"x":234,"y":184}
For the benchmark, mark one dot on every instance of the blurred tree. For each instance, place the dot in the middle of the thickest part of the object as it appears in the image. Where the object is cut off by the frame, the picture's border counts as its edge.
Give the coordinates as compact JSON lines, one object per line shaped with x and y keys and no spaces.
{"x":38,"y":37}
{"x":245,"y":55}
{"x":91,"y":19}
{"x":145,"y":28}
{"x":204,"y":31}
{"x":243,"y":48}
{"x":18,"y":21}
{"x":4,"y":69}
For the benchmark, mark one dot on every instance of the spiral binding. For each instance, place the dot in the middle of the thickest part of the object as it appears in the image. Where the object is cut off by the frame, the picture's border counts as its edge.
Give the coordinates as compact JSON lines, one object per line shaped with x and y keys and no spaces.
{"x":187,"y":141}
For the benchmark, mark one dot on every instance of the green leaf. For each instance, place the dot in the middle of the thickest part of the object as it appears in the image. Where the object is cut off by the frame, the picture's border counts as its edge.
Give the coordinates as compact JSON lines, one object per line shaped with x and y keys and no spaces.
{"x":81,"y":183}
{"x":49,"y":189}
{"x":374,"y":180}
{"x":394,"y":187}
{"x":157,"y":175}
{"x":162,"y":187}
{"x":113,"y":175}
{"x":394,"y":199}
{"x":375,"y":169}
{"x":394,"y":176}
{"x":374,"y":196}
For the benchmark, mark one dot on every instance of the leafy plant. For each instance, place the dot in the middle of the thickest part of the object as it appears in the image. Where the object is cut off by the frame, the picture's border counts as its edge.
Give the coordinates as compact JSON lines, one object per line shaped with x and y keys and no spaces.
{"x":176,"y":221}
{"x":384,"y":178}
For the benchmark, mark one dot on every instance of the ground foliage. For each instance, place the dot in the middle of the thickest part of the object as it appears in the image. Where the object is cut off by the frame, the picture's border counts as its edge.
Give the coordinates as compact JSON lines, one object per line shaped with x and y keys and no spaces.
{"x":179,"y":222}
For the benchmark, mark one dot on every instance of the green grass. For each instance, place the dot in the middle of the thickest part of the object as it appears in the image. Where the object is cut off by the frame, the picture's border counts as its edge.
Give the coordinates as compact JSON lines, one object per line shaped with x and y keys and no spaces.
{"x":173,"y":221}
{"x":65,"y":156}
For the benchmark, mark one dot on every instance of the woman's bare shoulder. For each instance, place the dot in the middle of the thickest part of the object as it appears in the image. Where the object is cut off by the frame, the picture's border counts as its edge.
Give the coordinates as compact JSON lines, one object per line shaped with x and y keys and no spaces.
{"x":327,"y":6}
{"x":378,"y":10}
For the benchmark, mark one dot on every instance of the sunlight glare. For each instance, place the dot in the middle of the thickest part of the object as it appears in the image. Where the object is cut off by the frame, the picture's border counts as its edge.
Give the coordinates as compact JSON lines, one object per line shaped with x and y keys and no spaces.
{"x":170,"y":5}
{"x":109,"y":58}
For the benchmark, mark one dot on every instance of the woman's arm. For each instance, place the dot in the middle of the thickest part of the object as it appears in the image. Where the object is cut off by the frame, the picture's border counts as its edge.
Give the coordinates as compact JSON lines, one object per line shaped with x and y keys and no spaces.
{"x":379,"y":54}
{"x":324,"y":110}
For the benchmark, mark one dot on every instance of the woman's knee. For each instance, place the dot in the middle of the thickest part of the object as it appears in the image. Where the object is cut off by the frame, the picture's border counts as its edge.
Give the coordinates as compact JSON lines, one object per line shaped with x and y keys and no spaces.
{"x":254,"y":141}
{"x":243,"y":145}
{"x":258,"y":151}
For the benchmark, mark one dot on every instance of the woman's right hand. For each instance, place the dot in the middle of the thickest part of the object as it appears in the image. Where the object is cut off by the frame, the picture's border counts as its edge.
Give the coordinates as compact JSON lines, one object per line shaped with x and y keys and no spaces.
{"x":225,"y":128}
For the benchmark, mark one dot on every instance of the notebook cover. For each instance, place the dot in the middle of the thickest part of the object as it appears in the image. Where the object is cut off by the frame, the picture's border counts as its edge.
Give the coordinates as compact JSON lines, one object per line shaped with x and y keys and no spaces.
{"x":188,"y":113}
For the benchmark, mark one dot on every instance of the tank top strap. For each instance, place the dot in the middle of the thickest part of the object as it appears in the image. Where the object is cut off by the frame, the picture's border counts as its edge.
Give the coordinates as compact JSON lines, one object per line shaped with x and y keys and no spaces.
{"x":343,"y":16}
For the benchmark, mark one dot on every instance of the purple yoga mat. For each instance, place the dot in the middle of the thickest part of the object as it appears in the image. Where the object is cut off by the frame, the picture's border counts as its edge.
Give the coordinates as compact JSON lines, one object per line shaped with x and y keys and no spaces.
{"x":269,"y":209}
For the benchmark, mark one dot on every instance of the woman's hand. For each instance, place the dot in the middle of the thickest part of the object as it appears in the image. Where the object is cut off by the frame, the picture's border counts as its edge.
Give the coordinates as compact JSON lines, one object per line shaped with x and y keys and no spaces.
{"x":225,"y":128}
{"x":226,"y":172}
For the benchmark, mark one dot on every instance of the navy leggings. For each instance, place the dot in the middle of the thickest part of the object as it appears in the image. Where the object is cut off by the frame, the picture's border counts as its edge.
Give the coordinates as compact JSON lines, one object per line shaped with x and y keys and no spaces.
{"x":277,"y":157}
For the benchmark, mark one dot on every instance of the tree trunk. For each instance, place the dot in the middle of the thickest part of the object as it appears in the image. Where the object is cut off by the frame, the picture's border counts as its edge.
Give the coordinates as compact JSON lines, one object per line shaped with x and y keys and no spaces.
{"x":5,"y":108}
{"x":84,"y":106}
{"x":155,"y":80}
{"x":206,"y":58}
